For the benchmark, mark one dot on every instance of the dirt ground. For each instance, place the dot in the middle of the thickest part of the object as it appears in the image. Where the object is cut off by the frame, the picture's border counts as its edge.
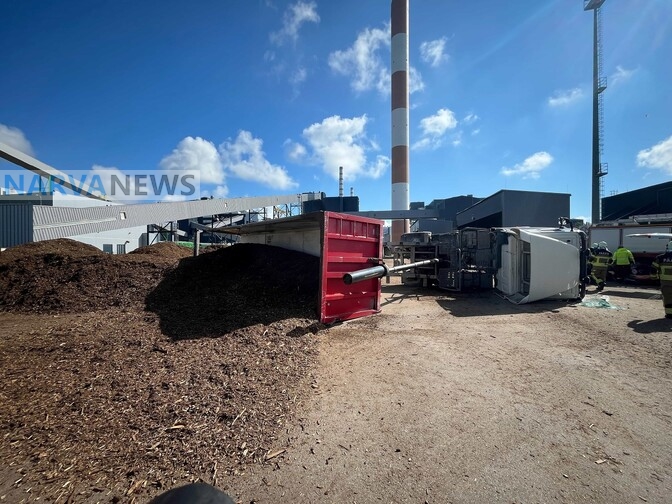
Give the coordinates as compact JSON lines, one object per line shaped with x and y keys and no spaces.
{"x":439,"y":398}
{"x":471,"y":399}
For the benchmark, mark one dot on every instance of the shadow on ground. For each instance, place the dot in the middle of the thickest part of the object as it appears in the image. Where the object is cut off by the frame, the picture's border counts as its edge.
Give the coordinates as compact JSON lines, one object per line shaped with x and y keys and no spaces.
{"x":650,"y":326}
{"x":391,"y":294}
{"x":491,"y":303}
{"x":235,"y":287}
{"x":468,"y":304}
{"x":649,"y":293}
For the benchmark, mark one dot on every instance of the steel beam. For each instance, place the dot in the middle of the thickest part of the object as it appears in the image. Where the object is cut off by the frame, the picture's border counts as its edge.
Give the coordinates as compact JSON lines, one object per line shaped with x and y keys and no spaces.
{"x":43,"y":170}
{"x":60,"y":222}
{"x":398,"y":214}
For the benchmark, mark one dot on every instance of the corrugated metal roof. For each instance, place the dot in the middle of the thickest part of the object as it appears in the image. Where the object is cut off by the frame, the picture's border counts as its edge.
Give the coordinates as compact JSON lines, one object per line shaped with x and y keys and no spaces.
{"x":60,"y":222}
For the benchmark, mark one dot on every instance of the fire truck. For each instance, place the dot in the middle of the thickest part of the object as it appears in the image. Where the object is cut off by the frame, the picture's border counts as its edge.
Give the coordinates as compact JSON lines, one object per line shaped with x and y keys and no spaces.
{"x":644,"y":250}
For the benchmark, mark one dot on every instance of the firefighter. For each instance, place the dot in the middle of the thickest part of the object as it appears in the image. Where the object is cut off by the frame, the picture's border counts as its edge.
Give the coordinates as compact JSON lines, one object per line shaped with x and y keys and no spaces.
{"x":662,"y":270}
{"x":624,"y":262}
{"x":600,"y":261}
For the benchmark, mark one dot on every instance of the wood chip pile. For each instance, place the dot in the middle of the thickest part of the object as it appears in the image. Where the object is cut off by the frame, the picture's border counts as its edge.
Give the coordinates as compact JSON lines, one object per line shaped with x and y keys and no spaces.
{"x":122,"y":376}
{"x":63,"y":275}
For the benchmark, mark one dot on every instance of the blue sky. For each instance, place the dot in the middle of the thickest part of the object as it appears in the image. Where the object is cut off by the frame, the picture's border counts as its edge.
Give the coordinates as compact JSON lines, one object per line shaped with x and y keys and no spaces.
{"x":270,"y":97}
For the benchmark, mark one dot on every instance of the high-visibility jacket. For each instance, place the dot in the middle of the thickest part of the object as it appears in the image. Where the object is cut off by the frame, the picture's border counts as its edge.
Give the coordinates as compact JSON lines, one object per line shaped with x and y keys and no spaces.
{"x":623,"y":257}
{"x":601,"y":258}
{"x":662,"y":266}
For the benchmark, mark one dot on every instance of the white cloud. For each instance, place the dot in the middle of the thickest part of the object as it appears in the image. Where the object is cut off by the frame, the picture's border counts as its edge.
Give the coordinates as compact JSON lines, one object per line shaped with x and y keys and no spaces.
{"x":434,"y":129}
{"x":564,"y":98}
{"x":106,"y":173}
{"x":221,"y":191}
{"x":531,"y":167}
{"x":362,"y":61}
{"x":470,"y":118}
{"x":620,"y":75}
{"x":365,"y":66}
{"x":415,"y":82}
{"x":295,"y":15}
{"x":15,"y":138}
{"x":424,"y":143}
{"x":658,"y":157}
{"x":294,"y":151}
{"x":196,"y":154}
{"x":245,"y":159}
{"x":434,"y":52}
{"x":286,"y":64}
{"x":298,"y":76}
{"x":384,"y":82}
{"x":437,"y":124}
{"x":378,"y":168}
{"x":173,"y":197}
{"x":242,"y":158}
{"x":343,"y":142}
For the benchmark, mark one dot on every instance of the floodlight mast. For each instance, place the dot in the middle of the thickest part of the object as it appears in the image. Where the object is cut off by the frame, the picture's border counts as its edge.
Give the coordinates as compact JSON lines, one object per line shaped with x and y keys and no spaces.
{"x":599,"y":169}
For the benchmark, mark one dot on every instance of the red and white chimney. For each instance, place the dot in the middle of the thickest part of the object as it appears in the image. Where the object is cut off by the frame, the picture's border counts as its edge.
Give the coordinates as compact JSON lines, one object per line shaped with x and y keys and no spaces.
{"x":400,"y":136}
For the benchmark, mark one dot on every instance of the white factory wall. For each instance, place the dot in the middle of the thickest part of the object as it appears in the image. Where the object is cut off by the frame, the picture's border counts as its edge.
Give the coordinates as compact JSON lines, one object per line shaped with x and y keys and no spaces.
{"x":136,"y":236}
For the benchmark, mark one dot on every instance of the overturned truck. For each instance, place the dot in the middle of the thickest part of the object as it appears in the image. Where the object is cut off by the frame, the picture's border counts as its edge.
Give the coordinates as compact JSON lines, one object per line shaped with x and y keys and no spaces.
{"x":524,"y":264}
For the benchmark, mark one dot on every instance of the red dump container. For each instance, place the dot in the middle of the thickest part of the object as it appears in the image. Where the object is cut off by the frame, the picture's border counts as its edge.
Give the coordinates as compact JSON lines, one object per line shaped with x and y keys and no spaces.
{"x":344,"y":243}
{"x":348,"y":244}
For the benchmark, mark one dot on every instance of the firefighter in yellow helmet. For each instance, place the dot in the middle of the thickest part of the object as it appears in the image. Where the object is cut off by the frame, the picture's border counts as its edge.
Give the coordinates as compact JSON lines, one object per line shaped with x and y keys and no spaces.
{"x":662,"y":269}
{"x":600,"y":261}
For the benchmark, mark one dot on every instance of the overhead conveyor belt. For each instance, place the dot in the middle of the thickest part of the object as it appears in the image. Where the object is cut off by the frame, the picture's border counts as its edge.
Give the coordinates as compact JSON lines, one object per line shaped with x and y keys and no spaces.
{"x":43,"y":170}
{"x":61,"y":222}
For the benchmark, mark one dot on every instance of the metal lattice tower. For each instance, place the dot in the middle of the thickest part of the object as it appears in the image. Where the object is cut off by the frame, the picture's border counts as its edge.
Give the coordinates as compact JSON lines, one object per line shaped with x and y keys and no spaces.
{"x":599,"y":169}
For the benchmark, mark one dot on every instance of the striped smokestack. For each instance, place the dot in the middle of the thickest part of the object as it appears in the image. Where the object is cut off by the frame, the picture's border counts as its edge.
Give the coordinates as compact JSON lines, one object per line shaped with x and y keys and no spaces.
{"x":340,"y":181}
{"x":400,"y":191}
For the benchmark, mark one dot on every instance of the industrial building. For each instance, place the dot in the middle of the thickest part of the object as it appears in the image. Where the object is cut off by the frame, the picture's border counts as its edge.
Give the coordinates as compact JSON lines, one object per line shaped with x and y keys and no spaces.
{"x":210,"y":225}
{"x":22,"y":222}
{"x":508,"y":208}
{"x":505,"y":208}
{"x":446,"y":211}
{"x":652,"y":200}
